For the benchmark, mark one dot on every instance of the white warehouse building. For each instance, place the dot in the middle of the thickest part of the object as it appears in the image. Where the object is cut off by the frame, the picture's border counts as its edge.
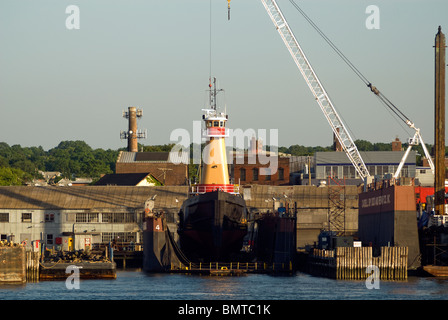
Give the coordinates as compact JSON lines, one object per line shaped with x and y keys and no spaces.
{"x":80,"y":217}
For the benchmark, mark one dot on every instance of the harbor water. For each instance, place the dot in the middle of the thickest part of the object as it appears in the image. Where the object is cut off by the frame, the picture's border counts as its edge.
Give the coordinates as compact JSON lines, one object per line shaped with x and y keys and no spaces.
{"x":137,"y":285}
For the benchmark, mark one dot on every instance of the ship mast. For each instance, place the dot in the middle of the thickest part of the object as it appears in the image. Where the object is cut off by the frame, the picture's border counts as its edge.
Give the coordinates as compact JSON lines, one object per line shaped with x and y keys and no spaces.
{"x":213,"y":94}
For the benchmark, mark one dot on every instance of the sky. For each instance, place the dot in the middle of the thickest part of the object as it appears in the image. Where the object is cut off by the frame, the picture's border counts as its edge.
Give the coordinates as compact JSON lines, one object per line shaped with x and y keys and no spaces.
{"x":58,"y":83}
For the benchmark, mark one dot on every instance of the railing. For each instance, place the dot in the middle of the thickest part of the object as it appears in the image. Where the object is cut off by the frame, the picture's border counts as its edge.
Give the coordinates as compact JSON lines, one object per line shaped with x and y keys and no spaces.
{"x":203,"y":188}
{"x":250,"y":267}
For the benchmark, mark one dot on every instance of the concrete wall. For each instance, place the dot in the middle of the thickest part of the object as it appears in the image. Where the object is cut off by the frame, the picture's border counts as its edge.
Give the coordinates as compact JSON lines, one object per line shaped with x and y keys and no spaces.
{"x":12,"y":264}
{"x":312,"y":204}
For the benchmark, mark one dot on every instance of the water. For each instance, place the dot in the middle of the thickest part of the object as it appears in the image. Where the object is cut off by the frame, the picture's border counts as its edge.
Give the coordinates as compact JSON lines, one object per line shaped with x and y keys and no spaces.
{"x":137,"y":285}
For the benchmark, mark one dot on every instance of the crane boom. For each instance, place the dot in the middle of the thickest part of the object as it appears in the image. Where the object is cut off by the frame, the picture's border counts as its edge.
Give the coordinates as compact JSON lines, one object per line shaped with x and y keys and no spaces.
{"x":316,"y":87}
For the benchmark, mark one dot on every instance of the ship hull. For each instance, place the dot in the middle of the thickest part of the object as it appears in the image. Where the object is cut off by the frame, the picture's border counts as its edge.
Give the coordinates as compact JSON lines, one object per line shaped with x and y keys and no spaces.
{"x":211,"y":226}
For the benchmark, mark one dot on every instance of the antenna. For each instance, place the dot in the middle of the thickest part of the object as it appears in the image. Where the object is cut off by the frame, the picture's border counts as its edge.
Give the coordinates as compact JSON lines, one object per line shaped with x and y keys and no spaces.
{"x":213,"y":93}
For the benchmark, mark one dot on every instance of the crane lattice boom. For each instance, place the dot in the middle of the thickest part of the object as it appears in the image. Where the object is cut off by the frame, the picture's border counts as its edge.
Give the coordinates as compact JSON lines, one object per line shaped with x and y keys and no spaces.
{"x":316,"y":87}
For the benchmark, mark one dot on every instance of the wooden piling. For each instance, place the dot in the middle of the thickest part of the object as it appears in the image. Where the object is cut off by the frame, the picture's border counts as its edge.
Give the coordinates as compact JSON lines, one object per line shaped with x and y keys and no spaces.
{"x":32,"y":266}
{"x":350,"y":263}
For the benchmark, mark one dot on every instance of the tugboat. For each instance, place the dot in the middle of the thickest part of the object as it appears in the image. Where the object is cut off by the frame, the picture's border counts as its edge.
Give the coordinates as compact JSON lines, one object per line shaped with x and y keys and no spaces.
{"x":213,"y":220}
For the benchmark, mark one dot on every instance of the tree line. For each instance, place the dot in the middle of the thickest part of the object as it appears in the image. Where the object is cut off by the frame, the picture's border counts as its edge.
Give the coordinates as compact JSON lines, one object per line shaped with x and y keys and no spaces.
{"x":19,"y":165}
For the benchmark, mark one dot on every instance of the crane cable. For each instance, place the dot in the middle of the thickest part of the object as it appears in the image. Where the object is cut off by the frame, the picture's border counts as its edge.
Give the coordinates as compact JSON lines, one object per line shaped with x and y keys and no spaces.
{"x":383,"y":98}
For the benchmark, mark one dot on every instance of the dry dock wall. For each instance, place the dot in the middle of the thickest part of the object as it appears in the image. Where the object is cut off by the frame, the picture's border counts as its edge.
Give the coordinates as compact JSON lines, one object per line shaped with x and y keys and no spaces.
{"x":388,"y":217}
{"x":12,"y":265}
{"x":312,"y":207}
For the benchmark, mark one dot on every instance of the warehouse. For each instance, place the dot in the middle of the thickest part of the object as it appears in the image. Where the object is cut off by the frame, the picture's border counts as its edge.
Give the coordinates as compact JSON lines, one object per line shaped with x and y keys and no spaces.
{"x":80,"y":217}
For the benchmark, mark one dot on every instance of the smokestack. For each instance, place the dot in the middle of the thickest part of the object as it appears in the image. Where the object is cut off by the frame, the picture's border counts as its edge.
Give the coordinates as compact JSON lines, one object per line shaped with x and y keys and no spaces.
{"x":439,"y":124}
{"x":133,"y":134}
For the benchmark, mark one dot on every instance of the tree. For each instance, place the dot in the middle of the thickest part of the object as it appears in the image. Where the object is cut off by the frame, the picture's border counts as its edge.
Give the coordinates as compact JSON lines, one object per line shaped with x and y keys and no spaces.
{"x":364,"y":145}
{"x":13,"y":177}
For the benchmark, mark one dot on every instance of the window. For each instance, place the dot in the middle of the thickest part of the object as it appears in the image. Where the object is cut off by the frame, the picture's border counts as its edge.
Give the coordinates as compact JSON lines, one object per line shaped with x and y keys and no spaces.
{"x":268,"y":174}
{"x":118,"y":237}
{"x":118,"y":217}
{"x":281,"y":174}
{"x":86,"y":217}
{"x":49,"y":217}
{"x":334,"y":173}
{"x":216,"y":124}
{"x":4,"y":216}
{"x":255,"y":174}
{"x":243,"y":174}
{"x":26,"y":216}
{"x":49,"y":239}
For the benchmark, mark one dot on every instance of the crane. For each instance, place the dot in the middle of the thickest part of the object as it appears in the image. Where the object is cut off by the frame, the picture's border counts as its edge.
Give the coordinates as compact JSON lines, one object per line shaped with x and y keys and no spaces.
{"x":324,"y":101}
{"x":316,"y":87}
{"x":414,"y":141}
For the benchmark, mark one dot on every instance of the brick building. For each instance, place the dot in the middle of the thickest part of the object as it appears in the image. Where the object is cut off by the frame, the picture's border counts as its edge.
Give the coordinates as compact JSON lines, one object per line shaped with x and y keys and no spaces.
{"x":248,"y":169}
{"x":248,"y":172}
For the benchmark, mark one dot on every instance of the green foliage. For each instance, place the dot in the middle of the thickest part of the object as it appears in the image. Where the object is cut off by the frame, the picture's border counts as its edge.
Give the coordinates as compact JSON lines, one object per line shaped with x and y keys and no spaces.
{"x":151,"y":180}
{"x":297,"y":150}
{"x":158,"y":148}
{"x":13,"y":177}
{"x":78,"y":159}
{"x":364,"y":145}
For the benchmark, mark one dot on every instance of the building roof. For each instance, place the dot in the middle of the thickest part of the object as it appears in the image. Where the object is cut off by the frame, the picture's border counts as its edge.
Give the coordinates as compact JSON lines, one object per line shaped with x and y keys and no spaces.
{"x":369,"y":157}
{"x":153,"y":157}
{"x":122,"y":179}
{"x":89,"y":197}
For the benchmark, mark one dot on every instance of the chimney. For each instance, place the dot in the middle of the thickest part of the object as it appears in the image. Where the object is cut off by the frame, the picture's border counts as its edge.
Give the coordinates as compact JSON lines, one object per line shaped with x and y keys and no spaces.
{"x":396,"y":145}
{"x":336,"y":144}
{"x":133,"y":134}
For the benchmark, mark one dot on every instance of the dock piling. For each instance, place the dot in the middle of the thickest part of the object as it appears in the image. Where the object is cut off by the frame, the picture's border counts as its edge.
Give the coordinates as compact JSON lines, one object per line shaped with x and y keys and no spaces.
{"x":350,"y":263}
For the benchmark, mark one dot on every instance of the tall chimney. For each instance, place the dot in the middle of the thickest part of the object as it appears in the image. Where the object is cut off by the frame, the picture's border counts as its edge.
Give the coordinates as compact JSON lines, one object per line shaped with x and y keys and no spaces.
{"x":133,"y":134}
{"x":439,"y":124}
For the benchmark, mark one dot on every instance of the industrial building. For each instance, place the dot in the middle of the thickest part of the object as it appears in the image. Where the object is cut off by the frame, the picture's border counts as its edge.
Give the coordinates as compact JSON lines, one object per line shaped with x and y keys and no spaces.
{"x":379,"y":163}
{"x":337,"y":166}
{"x":80,"y":217}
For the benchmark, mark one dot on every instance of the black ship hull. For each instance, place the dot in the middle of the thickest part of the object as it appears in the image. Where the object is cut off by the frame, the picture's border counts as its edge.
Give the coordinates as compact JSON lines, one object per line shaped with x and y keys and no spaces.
{"x":212,"y":226}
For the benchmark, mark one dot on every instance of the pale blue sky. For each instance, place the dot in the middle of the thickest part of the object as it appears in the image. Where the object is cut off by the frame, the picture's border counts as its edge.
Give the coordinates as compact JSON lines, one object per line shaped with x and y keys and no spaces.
{"x":58,"y":84}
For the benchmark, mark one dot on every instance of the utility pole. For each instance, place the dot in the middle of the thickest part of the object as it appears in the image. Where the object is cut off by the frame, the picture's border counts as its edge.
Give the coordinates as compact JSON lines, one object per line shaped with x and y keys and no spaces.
{"x":439,"y":124}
